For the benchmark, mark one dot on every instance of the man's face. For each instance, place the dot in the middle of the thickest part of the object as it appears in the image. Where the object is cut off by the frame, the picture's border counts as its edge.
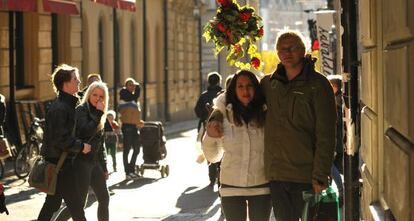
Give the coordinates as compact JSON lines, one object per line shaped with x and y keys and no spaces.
{"x":72,"y":86}
{"x":290,"y":52}
{"x":130,"y":86}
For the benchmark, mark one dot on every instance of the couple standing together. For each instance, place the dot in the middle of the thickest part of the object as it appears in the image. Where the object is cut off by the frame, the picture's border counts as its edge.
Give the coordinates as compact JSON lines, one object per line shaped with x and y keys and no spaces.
{"x":275,"y":138}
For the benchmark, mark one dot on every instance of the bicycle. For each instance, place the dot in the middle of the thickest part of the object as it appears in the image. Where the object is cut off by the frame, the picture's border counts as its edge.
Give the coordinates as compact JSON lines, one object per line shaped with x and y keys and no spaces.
{"x":30,"y":150}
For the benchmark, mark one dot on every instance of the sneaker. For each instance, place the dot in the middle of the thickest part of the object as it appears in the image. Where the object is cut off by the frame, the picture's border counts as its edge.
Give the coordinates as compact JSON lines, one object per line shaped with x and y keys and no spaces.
{"x":128,"y":176}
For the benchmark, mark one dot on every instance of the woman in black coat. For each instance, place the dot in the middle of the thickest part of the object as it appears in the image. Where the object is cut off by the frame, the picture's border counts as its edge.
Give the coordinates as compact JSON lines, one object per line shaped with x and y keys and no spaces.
{"x":92,"y":171}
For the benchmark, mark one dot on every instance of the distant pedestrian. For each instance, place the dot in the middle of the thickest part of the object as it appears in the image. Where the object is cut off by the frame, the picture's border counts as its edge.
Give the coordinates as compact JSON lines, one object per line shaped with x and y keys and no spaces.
{"x":112,"y":132}
{"x":299,"y":129}
{"x":337,"y":167}
{"x":235,"y":136}
{"x":92,"y":77}
{"x":203,"y":108}
{"x":130,"y":111}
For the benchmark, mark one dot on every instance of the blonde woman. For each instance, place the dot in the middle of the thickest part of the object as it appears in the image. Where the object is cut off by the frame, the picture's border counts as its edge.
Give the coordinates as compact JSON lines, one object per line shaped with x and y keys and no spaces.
{"x":92,"y":171}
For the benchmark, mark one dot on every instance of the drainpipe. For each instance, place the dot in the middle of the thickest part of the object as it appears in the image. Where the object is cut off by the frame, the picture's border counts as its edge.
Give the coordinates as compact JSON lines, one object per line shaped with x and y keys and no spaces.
{"x":351,"y":158}
{"x":166,"y":79}
{"x":145,"y":80}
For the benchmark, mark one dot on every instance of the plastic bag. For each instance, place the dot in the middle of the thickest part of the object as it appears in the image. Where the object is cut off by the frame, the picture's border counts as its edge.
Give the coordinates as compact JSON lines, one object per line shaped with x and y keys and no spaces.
{"x":321,"y":206}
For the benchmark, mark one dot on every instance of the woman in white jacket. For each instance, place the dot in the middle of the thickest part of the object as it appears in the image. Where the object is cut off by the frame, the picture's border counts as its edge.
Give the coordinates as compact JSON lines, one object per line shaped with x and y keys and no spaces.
{"x":235,"y":136}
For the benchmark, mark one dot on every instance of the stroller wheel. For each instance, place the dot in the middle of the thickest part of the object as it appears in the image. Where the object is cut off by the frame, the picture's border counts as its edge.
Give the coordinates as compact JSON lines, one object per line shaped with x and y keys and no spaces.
{"x":167,"y":170}
{"x":162,"y":170}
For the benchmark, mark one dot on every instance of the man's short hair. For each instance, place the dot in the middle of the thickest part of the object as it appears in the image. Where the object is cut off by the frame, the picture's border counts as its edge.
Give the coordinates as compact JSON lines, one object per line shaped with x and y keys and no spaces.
{"x":93,"y":75}
{"x":213,"y":78}
{"x":335,"y":80}
{"x":62,"y":74}
{"x":290,"y":34}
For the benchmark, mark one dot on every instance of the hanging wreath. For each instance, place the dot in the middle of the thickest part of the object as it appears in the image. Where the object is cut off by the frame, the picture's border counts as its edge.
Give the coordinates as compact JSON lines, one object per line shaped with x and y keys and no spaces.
{"x":236,"y":28}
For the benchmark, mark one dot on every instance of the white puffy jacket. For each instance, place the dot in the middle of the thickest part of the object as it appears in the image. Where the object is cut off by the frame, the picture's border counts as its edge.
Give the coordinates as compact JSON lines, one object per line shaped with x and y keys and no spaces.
{"x":241,"y":150}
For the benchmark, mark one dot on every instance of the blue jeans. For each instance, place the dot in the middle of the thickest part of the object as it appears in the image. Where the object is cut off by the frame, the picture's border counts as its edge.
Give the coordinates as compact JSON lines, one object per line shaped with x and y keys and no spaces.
{"x":287,"y":199}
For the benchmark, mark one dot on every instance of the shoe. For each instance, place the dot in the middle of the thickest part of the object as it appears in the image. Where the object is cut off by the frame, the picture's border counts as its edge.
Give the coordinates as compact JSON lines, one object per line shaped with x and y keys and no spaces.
{"x":128,"y":176}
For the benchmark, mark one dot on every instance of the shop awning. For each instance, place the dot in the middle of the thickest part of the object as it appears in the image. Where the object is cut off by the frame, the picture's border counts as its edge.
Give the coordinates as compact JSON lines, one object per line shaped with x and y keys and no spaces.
{"x":18,"y":5}
{"x":66,"y":7}
{"x":121,"y":4}
{"x":127,"y":5}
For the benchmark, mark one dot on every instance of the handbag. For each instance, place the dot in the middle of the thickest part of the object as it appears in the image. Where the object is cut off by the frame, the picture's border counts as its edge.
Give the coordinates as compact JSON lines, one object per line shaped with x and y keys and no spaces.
{"x":321,"y":206}
{"x":43,"y":175}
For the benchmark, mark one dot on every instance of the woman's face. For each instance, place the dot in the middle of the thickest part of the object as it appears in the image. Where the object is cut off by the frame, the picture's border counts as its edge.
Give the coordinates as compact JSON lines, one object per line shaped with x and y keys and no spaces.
{"x":97,"y":95}
{"x":244,"y":90}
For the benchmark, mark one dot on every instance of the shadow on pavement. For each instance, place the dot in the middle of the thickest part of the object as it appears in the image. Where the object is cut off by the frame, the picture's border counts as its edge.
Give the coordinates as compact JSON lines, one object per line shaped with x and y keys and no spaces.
{"x":63,"y":213}
{"x":196,"y":205}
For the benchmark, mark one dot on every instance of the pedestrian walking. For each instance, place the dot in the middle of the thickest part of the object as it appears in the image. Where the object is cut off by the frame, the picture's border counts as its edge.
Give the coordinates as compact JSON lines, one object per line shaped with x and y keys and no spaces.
{"x":91,"y":167}
{"x":112,"y":132}
{"x":235,"y":136}
{"x":299,"y":129}
{"x":337,"y":167}
{"x":130,"y":112}
{"x":59,"y":124}
{"x":203,"y":108}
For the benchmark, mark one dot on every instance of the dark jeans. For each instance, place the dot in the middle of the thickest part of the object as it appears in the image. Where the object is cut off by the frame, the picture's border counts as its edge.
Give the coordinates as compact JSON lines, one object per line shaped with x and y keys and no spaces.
{"x":235,"y":207}
{"x":90,"y":173}
{"x":66,"y":189}
{"x":111,"y":150}
{"x":213,"y":171}
{"x":131,"y":140}
{"x":287,"y":199}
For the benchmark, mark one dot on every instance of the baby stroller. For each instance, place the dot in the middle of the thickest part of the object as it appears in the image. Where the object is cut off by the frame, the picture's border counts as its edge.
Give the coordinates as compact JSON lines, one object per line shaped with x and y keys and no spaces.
{"x":153,"y":144}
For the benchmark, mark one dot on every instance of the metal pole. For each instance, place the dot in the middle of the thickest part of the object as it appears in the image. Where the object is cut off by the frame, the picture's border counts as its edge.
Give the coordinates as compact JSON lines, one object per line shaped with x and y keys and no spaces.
{"x":166,"y":97}
{"x":200,"y":47}
{"x":116,"y":56}
{"x":351,"y":158}
{"x":145,"y":80}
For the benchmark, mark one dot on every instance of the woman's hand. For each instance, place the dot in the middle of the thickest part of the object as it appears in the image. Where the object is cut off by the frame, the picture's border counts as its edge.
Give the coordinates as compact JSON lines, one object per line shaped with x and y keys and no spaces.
{"x":86,"y":148}
{"x":215,"y":129}
{"x":100,"y":105}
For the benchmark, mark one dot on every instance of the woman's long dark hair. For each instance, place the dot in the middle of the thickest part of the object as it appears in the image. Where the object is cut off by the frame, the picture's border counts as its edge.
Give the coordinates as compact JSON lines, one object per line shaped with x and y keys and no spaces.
{"x":254,"y":111}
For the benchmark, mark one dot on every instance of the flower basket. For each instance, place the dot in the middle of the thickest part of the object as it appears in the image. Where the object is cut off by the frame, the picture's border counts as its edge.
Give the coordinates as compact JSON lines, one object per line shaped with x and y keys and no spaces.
{"x":236,"y":28}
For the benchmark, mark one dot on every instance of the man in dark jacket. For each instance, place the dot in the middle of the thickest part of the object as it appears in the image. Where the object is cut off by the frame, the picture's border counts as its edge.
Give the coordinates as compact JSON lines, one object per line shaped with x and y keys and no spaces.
{"x":59,"y":137}
{"x":299,"y":128}
{"x":204,"y":103}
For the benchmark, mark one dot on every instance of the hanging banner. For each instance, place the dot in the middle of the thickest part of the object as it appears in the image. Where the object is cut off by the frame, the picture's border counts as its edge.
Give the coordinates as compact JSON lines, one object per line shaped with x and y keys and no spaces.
{"x":325,"y":24}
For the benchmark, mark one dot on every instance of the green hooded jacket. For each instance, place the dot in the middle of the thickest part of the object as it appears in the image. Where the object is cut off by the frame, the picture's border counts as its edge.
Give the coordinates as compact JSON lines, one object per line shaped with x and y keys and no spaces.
{"x":300,"y":126}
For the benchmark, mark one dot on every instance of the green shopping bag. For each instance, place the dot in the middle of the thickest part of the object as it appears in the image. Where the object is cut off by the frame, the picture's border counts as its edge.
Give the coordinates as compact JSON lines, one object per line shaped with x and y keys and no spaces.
{"x":321,"y":206}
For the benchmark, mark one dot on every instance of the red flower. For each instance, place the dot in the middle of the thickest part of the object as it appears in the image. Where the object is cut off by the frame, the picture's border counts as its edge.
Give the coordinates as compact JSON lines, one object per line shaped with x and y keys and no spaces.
{"x":237,"y":49}
{"x":261,"y":32}
{"x":245,"y":16}
{"x":224,"y":3}
{"x":255,"y":62}
{"x":220,"y":27}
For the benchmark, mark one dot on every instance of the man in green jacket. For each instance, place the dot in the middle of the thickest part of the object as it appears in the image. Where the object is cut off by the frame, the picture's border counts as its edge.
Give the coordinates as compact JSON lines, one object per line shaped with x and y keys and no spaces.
{"x":299,"y":128}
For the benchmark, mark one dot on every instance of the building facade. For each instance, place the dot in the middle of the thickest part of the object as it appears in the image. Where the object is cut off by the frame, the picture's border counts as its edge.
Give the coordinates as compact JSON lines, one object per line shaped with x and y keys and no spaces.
{"x":105,"y":37}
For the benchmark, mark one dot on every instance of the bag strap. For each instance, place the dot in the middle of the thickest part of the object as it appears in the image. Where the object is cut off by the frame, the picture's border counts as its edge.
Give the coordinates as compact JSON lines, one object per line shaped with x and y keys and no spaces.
{"x":64,"y":153}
